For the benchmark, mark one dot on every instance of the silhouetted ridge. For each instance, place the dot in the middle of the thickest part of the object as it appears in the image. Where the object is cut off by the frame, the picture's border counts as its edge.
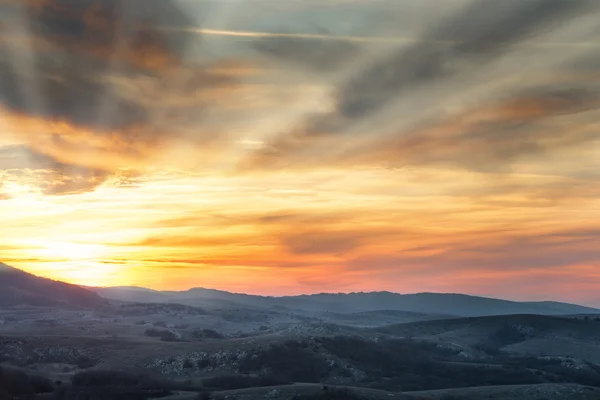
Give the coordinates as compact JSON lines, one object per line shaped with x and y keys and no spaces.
{"x":21,"y":288}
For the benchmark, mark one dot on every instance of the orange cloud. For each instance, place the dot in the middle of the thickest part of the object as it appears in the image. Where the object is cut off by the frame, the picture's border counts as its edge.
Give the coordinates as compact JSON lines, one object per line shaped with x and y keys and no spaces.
{"x":101,"y":29}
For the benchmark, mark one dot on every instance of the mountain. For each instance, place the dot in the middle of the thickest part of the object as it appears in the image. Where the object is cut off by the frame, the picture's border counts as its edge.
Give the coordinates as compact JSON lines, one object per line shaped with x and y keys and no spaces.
{"x":565,"y":307}
{"x":428,"y":303}
{"x":130,"y":293}
{"x":21,"y":288}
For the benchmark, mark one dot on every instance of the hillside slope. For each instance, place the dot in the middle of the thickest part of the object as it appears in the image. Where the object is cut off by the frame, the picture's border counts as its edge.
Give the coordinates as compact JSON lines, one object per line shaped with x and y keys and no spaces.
{"x":21,"y":288}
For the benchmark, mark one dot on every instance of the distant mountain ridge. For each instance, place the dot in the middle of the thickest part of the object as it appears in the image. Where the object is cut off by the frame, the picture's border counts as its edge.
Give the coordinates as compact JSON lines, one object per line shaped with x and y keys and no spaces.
{"x":21,"y":288}
{"x":431,"y":303}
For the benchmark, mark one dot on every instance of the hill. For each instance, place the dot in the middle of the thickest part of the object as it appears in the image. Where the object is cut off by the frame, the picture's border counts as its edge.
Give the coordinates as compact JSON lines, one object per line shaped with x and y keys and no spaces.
{"x":570,"y":340}
{"x":21,"y":288}
{"x":425,"y":303}
{"x":515,"y":392}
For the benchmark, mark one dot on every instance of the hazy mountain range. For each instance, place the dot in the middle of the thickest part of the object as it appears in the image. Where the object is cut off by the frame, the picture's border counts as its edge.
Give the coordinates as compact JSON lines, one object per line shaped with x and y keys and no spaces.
{"x":18,"y":287}
{"x":438,"y":303}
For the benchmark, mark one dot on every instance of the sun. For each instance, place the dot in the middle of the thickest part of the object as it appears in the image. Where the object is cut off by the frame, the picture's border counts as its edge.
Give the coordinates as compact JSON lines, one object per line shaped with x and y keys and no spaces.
{"x":78,"y":263}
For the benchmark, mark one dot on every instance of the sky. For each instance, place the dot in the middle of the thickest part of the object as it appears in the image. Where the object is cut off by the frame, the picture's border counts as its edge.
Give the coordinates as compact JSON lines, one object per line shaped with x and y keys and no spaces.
{"x":304,"y":146}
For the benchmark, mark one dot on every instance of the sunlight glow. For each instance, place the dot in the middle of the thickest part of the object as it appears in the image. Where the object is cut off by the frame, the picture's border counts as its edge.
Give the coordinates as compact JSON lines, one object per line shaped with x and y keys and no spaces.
{"x":72,"y":251}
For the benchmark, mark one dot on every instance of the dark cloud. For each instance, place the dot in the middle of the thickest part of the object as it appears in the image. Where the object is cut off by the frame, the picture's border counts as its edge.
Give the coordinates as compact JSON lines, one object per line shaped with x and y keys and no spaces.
{"x":420,"y":79}
{"x":492,"y":138}
{"x":56,"y":53}
{"x":100,"y":65}
{"x":121,"y":69}
{"x":51,"y":176}
{"x":487,"y":138}
{"x":104,"y":78}
{"x":478,"y":33}
{"x":315,"y":53}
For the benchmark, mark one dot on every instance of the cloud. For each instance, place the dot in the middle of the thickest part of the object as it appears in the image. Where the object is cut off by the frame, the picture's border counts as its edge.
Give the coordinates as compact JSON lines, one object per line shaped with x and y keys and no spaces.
{"x":82,"y":79}
{"x":320,"y":54}
{"x":55,"y":52}
{"x":481,"y":31}
{"x":495,"y":251}
{"x":323,"y":242}
{"x":93,"y":71}
{"x":482,"y":138}
{"x":19,"y":163}
{"x":482,"y":89}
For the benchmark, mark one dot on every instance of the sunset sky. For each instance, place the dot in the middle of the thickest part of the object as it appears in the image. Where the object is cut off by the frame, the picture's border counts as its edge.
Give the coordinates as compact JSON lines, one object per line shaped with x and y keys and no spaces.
{"x":286,"y":147}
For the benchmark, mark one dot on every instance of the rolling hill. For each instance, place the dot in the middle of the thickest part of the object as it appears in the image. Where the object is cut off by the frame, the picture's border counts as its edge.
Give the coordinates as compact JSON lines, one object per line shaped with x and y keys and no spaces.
{"x":21,"y":288}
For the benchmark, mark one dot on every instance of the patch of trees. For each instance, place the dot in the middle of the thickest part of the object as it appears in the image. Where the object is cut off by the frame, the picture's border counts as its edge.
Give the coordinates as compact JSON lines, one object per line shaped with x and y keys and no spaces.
{"x":114,"y":378}
{"x":507,"y":335}
{"x":16,"y":382}
{"x":115,"y":385}
{"x":160,"y":308}
{"x":503,"y":336}
{"x":163,"y":335}
{"x":29,"y":354}
{"x":555,"y":370}
{"x":453,"y":397}
{"x":238,"y":381}
{"x":206,"y":334}
{"x":407,"y":365}
{"x":295,"y":360}
{"x":385,"y":352}
{"x":237,"y":315}
{"x":431,"y":376}
{"x":330,"y":393}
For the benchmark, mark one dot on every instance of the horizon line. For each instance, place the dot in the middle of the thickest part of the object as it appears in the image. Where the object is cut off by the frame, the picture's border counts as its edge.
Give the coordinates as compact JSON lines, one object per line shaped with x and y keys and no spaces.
{"x":342,"y":293}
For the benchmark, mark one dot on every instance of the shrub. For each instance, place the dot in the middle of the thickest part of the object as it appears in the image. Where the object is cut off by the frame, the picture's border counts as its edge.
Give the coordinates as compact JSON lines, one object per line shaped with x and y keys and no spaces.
{"x":204,"y":395}
{"x":507,"y":335}
{"x":203,"y":363}
{"x":164,"y":335}
{"x":84,"y":362}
